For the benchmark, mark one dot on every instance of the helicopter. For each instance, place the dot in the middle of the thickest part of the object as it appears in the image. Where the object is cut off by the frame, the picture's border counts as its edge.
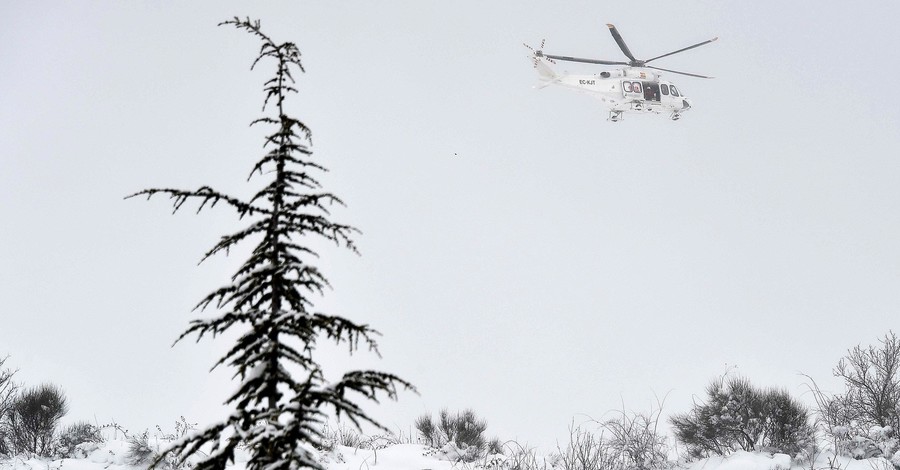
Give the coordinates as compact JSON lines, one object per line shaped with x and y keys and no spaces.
{"x":637,"y":87}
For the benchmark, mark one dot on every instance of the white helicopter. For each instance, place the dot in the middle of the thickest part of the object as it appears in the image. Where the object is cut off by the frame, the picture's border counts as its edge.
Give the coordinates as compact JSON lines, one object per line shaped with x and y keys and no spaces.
{"x":633,"y":88}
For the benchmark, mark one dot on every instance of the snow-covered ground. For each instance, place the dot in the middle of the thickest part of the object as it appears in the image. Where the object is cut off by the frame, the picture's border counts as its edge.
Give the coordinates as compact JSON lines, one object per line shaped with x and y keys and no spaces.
{"x":113,"y":455}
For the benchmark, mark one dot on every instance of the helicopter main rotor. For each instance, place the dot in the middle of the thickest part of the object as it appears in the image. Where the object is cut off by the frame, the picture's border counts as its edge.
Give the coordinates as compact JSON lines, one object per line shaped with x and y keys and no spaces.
{"x":633,"y":62}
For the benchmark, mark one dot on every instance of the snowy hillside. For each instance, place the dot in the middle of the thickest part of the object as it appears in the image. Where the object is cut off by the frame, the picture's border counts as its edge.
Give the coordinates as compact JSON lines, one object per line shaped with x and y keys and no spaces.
{"x":114,"y":455}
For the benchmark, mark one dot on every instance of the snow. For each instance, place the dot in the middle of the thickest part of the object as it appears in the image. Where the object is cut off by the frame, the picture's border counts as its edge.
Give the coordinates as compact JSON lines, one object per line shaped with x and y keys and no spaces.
{"x":742,"y":460}
{"x":112,"y":455}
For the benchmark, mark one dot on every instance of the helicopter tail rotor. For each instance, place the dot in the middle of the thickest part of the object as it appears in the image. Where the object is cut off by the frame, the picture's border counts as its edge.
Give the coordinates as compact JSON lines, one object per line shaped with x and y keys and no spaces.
{"x":538,"y":54}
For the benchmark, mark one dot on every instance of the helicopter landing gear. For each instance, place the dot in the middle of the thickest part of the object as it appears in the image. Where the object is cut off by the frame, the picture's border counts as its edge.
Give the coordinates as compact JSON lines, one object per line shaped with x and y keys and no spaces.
{"x":615,"y":116}
{"x":676,"y":116}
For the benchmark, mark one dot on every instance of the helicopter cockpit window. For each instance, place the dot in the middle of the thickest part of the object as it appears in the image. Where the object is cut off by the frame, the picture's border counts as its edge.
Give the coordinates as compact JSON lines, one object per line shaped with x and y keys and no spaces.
{"x":637,"y":87}
{"x":674,"y":91}
{"x":627,"y":86}
{"x":664,"y":88}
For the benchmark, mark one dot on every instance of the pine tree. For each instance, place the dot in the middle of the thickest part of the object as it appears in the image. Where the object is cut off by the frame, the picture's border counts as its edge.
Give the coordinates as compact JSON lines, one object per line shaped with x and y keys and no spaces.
{"x":278,"y":413}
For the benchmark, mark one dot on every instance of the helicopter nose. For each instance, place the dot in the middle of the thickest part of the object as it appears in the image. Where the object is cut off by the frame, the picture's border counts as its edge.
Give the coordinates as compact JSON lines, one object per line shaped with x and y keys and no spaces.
{"x":686,"y":104}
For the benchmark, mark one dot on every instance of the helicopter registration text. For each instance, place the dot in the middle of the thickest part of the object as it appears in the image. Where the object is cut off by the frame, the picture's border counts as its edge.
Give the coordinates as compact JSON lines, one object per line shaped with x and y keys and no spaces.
{"x":586,"y":82}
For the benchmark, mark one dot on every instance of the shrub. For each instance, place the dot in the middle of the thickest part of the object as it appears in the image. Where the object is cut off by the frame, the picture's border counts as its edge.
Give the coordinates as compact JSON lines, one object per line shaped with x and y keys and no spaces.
{"x":738,"y":416}
{"x":494,"y":446}
{"x":523,"y":457}
{"x":464,"y":430}
{"x":428,"y":431}
{"x":588,"y":451}
{"x":140,"y":452}
{"x":629,"y":441}
{"x":34,"y":416}
{"x":8,"y":390}
{"x":182,"y":428}
{"x":147,"y":449}
{"x":74,"y":434}
{"x":340,"y":435}
{"x":634,"y":437}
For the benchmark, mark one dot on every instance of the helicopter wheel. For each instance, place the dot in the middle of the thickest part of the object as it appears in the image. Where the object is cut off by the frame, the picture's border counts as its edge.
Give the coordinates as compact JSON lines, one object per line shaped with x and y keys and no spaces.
{"x":615,"y":116}
{"x":676,"y":116}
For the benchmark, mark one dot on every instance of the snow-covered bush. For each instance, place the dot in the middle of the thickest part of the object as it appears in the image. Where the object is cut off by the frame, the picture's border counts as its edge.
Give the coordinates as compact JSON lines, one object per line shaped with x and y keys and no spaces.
{"x":872,"y":378}
{"x":862,"y":422}
{"x":464,"y":430}
{"x":739,"y":416}
{"x":454,"y":453}
{"x":182,"y":428}
{"x":74,"y":434}
{"x":140,"y":452}
{"x":339,"y":435}
{"x":859,"y":442}
{"x":876,"y":441}
{"x":146,"y":448}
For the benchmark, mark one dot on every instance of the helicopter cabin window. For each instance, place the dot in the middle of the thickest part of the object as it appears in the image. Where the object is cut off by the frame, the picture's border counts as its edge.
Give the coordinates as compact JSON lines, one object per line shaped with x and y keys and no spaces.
{"x":674,"y":91}
{"x":664,"y":88}
{"x":632,"y":87}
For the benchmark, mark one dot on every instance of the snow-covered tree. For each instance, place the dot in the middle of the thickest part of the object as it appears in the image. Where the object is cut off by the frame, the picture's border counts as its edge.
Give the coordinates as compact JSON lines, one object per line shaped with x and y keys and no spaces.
{"x":872,"y":377}
{"x":863,"y":421}
{"x":283,"y":397}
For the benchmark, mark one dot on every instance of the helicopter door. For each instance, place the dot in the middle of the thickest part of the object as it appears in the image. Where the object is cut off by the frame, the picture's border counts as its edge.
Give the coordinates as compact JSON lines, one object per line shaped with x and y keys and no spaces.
{"x":651,"y":91}
{"x":669,"y":95}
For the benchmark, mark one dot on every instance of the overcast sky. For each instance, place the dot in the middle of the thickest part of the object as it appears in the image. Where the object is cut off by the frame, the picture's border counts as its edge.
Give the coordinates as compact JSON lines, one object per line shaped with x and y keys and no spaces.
{"x":521,"y":255}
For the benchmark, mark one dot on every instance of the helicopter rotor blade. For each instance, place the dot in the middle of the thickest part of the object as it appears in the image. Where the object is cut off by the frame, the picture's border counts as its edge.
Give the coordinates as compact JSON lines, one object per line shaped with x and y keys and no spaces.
{"x":578,"y":59}
{"x":675,"y":71}
{"x":684,"y":49}
{"x":620,"y":42}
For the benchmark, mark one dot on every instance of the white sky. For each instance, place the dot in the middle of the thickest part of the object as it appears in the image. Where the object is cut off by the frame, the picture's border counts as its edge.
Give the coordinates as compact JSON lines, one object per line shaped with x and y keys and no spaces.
{"x":559,"y":266}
